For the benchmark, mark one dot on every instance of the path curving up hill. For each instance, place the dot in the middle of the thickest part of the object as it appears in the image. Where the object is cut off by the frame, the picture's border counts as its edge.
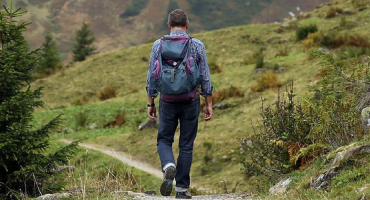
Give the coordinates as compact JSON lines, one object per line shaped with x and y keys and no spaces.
{"x":132,"y":162}
{"x":123,"y":157}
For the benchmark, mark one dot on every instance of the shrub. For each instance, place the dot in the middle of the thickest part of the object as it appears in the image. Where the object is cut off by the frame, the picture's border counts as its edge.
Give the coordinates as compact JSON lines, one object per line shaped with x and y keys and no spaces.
{"x":225,"y":93}
{"x":332,"y":40}
{"x":302,"y":32}
{"x":214,"y":67}
{"x":259,"y":60}
{"x":80,"y":101}
{"x":292,"y":134}
{"x":357,"y":40}
{"x":360,"y":4}
{"x":312,"y":40}
{"x":108,"y":92}
{"x":256,"y":58}
{"x":222,"y":94}
{"x":332,"y":12}
{"x":266,"y":81}
{"x":282,"y":51}
{"x":144,"y":59}
{"x":119,"y":120}
{"x":81,"y":118}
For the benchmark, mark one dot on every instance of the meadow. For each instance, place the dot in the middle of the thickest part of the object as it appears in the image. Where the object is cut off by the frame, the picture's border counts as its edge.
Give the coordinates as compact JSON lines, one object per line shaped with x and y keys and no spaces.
{"x":75,"y":92}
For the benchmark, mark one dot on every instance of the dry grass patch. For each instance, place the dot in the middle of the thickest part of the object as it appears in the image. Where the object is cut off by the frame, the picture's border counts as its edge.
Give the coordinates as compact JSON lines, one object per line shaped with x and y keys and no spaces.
{"x":225,"y":93}
{"x":108,"y":92}
{"x":266,"y":81}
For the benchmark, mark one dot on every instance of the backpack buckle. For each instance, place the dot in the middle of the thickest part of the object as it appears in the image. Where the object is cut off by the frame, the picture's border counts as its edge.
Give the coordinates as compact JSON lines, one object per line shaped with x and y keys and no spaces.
{"x":172,"y":75}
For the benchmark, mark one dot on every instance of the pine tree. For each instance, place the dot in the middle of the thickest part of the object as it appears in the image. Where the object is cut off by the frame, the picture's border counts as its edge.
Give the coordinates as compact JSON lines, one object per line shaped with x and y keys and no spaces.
{"x":83,"y":45}
{"x":25,"y":167}
{"x":50,"y":55}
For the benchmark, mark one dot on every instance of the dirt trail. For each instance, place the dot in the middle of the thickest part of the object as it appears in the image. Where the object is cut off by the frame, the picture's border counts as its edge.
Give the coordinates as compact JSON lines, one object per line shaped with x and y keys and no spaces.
{"x":124,"y":157}
{"x":128,"y":160}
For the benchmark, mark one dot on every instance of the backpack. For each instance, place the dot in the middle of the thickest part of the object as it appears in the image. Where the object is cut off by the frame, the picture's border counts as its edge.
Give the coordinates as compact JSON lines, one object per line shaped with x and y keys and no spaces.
{"x":176,"y":75}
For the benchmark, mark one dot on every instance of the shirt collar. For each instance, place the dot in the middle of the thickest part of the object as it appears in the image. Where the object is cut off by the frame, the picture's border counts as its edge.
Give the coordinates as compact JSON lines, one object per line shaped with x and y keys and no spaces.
{"x":178,"y":32}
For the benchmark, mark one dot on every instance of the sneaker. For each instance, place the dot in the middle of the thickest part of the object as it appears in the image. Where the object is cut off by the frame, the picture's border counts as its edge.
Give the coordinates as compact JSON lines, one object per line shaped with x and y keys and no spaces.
{"x":183,"y":195}
{"x":169,"y":175}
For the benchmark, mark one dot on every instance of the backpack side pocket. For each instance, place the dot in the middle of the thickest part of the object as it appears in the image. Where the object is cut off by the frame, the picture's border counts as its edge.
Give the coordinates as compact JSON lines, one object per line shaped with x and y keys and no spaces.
{"x":193,"y":72}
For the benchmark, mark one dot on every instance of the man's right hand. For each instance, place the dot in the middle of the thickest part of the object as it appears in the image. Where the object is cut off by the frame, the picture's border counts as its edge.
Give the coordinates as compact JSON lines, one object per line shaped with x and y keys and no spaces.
{"x":208,"y":108}
{"x":207,"y":113}
{"x":152,"y":113}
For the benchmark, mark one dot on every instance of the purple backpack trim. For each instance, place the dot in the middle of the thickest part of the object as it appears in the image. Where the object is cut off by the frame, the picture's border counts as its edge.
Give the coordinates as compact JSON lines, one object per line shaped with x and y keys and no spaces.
{"x":157,"y":72}
{"x":188,"y":69}
{"x":179,"y":98}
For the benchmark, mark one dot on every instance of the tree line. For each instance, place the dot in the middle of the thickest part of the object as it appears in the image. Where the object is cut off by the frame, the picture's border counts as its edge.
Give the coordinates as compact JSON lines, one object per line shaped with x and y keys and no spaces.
{"x":81,"y":49}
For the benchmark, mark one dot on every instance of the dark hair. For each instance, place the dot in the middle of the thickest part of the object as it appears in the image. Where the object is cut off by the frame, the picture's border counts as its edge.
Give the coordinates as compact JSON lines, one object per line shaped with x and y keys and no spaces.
{"x":178,"y":18}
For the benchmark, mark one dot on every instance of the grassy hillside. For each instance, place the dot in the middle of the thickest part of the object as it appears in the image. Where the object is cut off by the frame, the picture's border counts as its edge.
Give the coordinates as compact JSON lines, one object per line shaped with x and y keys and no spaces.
{"x":123,"y":23}
{"x":75,"y":90}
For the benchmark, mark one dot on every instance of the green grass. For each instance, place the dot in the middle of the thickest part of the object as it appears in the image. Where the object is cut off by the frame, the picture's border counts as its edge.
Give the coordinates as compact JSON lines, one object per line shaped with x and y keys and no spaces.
{"x":125,"y":70}
{"x":98,"y":176}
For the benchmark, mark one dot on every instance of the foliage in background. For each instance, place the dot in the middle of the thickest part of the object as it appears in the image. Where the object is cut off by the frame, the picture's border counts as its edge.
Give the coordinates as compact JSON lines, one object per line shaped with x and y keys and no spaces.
{"x":256,"y":58}
{"x":217,"y":13}
{"x":134,"y":8}
{"x":81,"y":119}
{"x":25,"y":169}
{"x":107,"y":93}
{"x":302,"y":32}
{"x":266,"y":81}
{"x":360,"y":4}
{"x":172,"y":5}
{"x":83,"y":43}
{"x":333,"y":40}
{"x":225,"y":93}
{"x":293,"y":134}
{"x":332,"y":12}
{"x":214,"y":68}
{"x":50,"y":58}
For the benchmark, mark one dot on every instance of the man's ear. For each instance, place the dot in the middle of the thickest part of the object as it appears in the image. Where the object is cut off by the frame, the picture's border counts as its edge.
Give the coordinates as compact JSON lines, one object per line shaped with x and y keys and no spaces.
{"x":187,"y":25}
{"x":168,"y":25}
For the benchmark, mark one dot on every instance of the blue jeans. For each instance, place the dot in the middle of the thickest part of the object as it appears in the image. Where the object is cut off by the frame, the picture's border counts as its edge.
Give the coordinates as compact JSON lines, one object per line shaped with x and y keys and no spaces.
{"x":169,"y":116}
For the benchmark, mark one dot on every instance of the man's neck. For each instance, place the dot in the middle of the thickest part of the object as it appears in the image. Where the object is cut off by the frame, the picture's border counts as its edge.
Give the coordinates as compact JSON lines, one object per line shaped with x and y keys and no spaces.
{"x":179,"y":28}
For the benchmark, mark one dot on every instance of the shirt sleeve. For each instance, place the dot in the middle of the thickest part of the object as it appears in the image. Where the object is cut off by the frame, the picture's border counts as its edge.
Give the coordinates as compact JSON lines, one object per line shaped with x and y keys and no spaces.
{"x":205,"y":83}
{"x":153,"y":56}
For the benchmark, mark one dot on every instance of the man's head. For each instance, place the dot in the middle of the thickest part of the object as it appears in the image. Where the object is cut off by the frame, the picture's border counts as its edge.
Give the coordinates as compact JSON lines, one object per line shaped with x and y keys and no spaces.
{"x":178,"y":18}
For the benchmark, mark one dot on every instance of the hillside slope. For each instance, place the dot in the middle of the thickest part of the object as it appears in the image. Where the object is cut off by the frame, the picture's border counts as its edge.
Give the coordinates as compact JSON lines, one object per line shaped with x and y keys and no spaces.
{"x":74,"y":90}
{"x":123,"y":23}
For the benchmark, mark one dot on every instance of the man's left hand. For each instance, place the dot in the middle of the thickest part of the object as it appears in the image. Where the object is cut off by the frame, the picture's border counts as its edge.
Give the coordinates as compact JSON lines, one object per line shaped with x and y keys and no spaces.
{"x":152,"y":113}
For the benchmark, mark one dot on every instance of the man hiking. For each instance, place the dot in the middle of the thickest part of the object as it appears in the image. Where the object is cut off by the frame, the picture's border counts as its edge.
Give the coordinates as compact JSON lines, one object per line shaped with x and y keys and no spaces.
{"x":172,"y":57}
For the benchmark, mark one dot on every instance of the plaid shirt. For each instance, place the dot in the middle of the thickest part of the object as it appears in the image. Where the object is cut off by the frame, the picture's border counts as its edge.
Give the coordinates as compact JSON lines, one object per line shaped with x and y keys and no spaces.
{"x":199,"y":53}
